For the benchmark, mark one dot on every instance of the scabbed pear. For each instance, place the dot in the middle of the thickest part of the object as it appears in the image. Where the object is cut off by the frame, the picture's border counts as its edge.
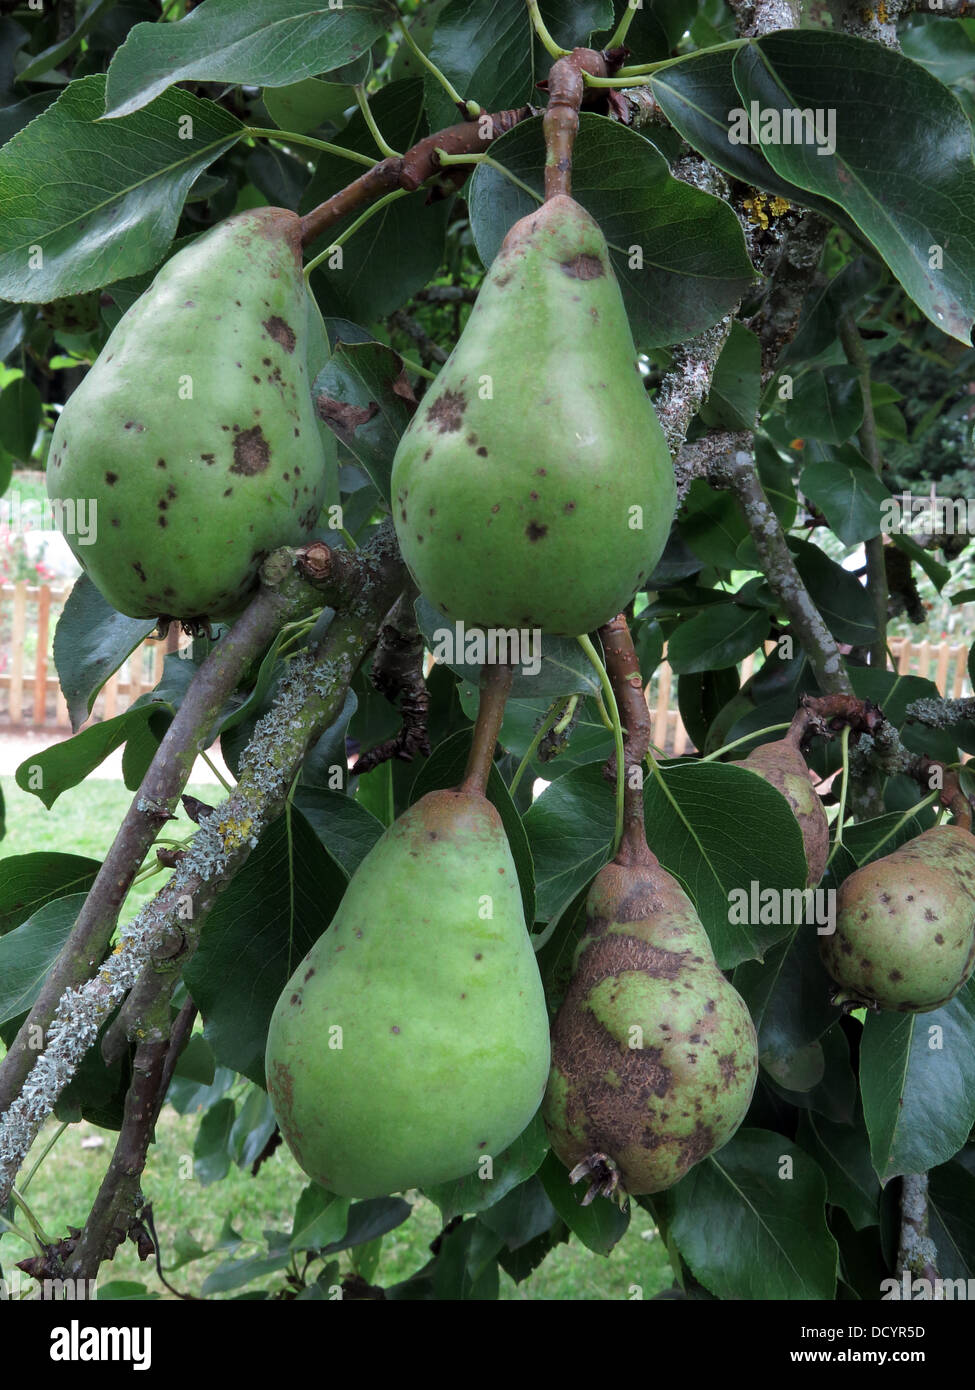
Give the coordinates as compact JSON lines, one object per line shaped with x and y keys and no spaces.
{"x":413,"y":1038}
{"x":654,"y":1054}
{"x":194,"y":434}
{"x":783,"y":767}
{"x":533,"y":487}
{"x":905,"y":925}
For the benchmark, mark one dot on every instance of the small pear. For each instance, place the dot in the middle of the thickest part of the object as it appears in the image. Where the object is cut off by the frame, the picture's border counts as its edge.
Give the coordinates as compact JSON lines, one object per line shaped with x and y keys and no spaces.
{"x":533,"y":488}
{"x":905,"y":925}
{"x":192,"y":441}
{"x":782,"y":765}
{"x":412,"y":1041}
{"x":654,"y":1054}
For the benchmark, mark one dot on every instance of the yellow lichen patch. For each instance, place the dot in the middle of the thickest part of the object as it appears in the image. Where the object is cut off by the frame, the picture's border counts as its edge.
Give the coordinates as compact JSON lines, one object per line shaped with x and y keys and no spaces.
{"x":761,"y":209}
{"x":236,"y":832}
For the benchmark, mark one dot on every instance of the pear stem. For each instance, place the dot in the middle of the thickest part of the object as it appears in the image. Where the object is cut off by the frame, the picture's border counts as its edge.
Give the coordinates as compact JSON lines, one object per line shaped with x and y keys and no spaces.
{"x":560,"y":123}
{"x":495,"y":686}
{"x":626,"y":680}
{"x":471,"y":108}
{"x":610,"y":696}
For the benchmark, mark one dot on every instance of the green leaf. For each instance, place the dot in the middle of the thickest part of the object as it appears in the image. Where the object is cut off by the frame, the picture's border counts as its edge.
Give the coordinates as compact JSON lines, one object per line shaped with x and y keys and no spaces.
{"x":848,"y":493}
{"x":879,"y":168}
{"x":915,"y":1077}
{"x":732,"y":402}
{"x":303,"y":106}
{"x":570,"y":832}
{"x":562,"y":666}
{"x":257,"y":934}
{"x":358,"y":399}
{"x":787,"y":995}
{"x":945,"y":47}
{"x":712,"y":525}
{"x":842,"y":600}
{"x":272,"y":44}
{"x":347,"y":830}
{"x":69,"y":167}
{"x":28,"y":952}
{"x":509,"y":1170}
{"x":211,"y":1151}
{"x":598,"y":1226}
{"x":843,"y":1153}
{"x":28,"y":881}
{"x":673,"y":287}
{"x":697,"y":96}
{"x":827,"y":405}
{"x":320,"y":1218}
{"x":951,"y":1207}
{"x":21,"y":409}
{"x":717,"y":638}
{"x":54,"y":770}
{"x":521,"y":1217}
{"x":368,"y":1220}
{"x":91,"y":641}
{"x":748,"y":1227}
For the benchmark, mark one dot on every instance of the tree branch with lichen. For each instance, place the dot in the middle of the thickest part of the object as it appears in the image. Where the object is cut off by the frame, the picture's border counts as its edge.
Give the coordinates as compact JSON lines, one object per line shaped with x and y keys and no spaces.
{"x":310,"y":697}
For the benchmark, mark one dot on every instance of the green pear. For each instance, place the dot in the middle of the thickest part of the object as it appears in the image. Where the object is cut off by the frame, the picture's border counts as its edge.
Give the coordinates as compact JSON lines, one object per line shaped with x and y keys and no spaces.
{"x":782,"y":765}
{"x":412,"y":1041}
{"x":905,"y":925}
{"x":533,"y":488}
{"x":654,"y":1054}
{"x":194,"y":433}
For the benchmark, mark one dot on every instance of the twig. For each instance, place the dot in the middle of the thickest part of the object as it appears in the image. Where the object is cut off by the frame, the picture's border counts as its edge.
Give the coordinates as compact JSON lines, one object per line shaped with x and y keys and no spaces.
{"x":397,"y":673}
{"x":408,"y":171}
{"x":738,"y":471}
{"x":856,"y":355}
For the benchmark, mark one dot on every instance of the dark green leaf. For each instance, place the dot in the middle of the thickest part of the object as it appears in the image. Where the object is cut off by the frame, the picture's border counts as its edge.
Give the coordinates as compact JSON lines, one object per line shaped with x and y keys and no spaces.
{"x":673,"y":287}
{"x":272,"y":45}
{"x":28,"y":881}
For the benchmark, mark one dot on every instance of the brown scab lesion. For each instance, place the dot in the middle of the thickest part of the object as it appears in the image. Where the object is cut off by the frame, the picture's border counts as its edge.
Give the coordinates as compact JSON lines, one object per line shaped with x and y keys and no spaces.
{"x":584,"y":267}
{"x":447,"y":412}
{"x":281,"y":332}
{"x":535,"y":531}
{"x":111,"y":479}
{"x":252,"y":453}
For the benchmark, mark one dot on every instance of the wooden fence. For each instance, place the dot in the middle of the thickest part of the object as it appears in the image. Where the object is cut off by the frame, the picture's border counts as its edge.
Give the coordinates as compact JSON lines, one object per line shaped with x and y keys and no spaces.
{"x":30,"y":697}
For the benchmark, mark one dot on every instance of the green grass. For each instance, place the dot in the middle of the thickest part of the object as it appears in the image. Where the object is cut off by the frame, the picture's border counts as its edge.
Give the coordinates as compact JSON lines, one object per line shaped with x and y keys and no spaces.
{"x":83,"y":821}
{"x":65,"y":1185}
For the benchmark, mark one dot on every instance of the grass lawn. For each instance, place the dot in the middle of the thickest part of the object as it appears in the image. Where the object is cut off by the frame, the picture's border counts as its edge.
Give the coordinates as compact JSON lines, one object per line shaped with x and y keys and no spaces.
{"x":83,"y":821}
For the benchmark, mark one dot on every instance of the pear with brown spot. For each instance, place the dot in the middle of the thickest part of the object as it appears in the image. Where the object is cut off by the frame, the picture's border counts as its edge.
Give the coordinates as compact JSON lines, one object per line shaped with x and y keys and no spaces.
{"x":781,"y":764}
{"x":905,"y":925}
{"x":654,"y":1054}
{"x":533,"y":488}
{"x":193,"y":440}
